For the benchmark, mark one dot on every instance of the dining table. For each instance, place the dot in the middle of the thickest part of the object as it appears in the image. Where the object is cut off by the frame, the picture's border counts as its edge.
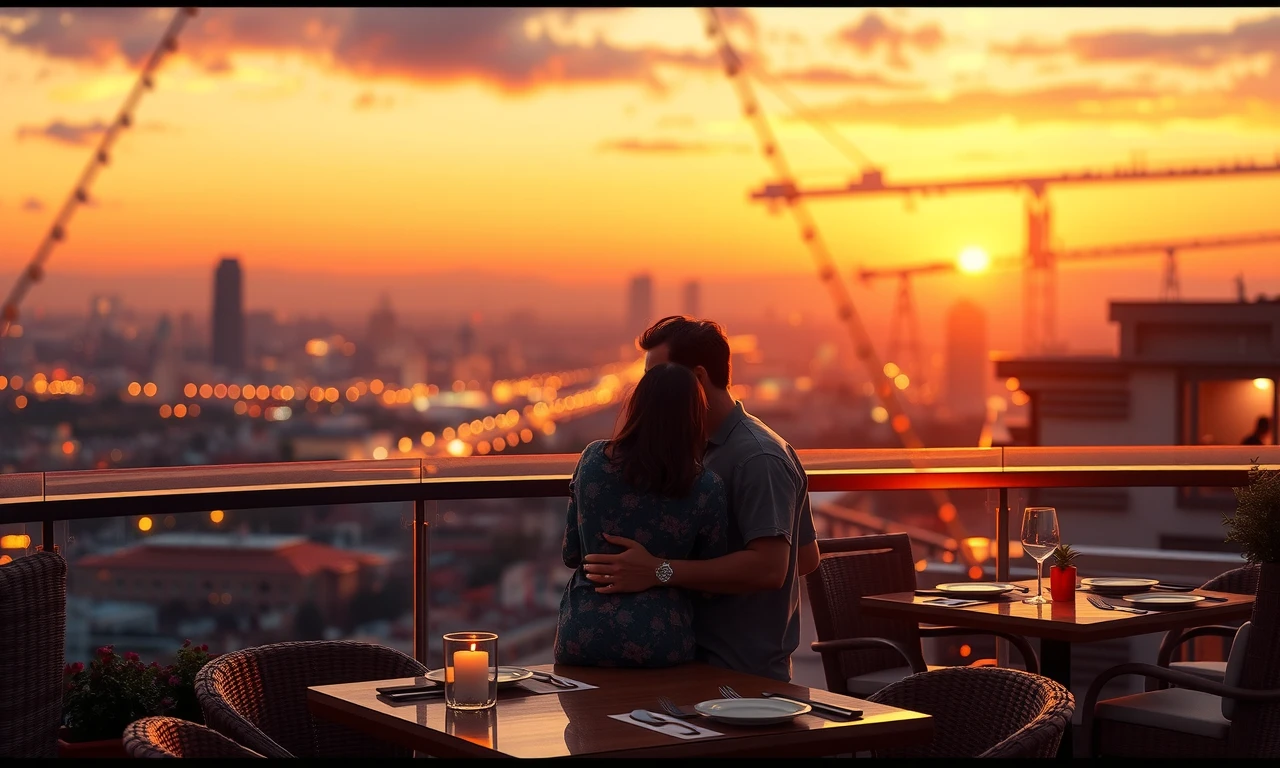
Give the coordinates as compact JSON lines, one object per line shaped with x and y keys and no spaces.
{"x":594,"y":718}
{"x":1059,"y":624}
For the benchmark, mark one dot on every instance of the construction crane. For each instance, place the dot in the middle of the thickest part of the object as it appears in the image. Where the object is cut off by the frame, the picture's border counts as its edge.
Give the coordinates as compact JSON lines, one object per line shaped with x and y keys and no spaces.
{"x":1039,"y":262}
{"x":888,"y":389}
{"x":35,"y":269}
{"x":1170,"y":287}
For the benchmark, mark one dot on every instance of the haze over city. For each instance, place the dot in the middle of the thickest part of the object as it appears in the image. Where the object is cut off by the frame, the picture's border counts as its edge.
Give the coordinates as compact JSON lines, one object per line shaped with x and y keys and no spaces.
{"x":311,"y":314}
{"x":605,"y":140}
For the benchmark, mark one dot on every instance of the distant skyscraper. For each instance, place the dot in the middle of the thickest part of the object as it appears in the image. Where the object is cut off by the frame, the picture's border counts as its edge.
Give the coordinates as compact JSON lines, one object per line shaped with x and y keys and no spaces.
{"x":692,"y":298}
{"x":382,"y":323}
{"x":228,"y":315}
{"x":968,"y":366}
{"x":640,"y":304}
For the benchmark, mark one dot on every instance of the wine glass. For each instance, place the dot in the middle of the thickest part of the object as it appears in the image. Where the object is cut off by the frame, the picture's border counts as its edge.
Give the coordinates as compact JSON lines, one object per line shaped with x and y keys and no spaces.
{"x":1039,"y":539}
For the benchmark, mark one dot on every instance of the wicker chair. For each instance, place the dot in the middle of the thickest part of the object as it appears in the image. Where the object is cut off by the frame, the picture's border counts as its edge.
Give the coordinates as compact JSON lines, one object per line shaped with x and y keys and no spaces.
{"x":861,"y":654}
{"x":1199,"y":718}
{"x":258,"y":696}
{"x":174,"y":737}
{"x":983,"y":712}
{"x":33,"y":628}
{"x":1239,"y":581}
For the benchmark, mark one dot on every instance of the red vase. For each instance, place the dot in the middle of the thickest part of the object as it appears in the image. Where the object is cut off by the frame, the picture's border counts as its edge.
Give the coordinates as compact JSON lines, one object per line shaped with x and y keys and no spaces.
{"x":104,"y":748}
{"x":1062,"y":584}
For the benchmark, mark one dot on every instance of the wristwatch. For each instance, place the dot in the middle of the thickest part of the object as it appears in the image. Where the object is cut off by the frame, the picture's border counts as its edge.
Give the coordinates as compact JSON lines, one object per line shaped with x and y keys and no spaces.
{"x":664,"y":572}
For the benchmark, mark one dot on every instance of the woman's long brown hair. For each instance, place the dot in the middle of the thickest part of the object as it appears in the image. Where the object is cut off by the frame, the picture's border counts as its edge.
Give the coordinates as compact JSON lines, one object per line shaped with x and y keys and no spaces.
{"x":660,"y":442}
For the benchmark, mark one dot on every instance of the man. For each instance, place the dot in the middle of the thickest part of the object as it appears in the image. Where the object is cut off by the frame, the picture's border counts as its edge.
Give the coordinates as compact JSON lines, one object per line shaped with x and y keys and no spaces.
{"x":752,"y":622}
{"x":1261,"y":432}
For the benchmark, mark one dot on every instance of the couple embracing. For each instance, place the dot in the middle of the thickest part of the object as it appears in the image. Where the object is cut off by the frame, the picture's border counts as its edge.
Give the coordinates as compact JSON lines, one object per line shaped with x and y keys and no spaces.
{"x":690,"y":528}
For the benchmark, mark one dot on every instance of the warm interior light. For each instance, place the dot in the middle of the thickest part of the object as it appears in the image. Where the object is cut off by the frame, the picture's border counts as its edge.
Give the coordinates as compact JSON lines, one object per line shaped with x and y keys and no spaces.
{"x":1263,"y":384}
{"x":15,"y":541}
{"x":973,"y":260}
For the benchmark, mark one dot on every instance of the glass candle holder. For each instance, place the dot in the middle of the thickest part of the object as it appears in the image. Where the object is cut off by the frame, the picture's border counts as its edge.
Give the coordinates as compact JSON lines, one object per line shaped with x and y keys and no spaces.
{"x":470,"y":670}
{"x":479,"y":727}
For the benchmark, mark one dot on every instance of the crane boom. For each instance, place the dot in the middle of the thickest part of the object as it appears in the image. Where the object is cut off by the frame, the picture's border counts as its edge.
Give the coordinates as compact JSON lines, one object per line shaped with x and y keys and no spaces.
{"x":1084,"y":254}
{"x":873,"y":182}
{"x":864,"y":347}
{"x":34,"y":270}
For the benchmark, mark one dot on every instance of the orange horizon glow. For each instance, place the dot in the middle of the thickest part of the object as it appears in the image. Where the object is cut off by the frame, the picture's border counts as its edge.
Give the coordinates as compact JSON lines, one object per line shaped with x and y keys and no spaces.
{"x":618,"y":146}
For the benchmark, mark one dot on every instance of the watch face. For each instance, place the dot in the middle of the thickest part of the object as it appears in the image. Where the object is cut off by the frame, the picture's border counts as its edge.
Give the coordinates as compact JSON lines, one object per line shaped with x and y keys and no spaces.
{"x":664,"y":572}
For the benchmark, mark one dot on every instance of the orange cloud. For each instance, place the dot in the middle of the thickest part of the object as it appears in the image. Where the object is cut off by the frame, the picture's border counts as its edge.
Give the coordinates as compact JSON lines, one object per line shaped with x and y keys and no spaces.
{"x":1081,"y":102}
{"x":510,"y":48}
{"x":873,"y":32}
{"x":669,"y":147}
{"x":75,"y":134}
{"x":837,"y":76}
{"x":1194,"y":49}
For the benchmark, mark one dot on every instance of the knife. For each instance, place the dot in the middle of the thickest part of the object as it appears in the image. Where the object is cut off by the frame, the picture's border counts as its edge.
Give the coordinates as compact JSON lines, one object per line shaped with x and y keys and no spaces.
{"x":430,"y":693}
{"x":549,"y":679}
{"x":830,"y":709}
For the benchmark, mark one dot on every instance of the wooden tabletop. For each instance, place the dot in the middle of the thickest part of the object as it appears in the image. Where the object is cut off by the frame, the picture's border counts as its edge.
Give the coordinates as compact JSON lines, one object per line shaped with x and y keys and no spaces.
{"x":577,"y":723}
{"x":1076,"y":621}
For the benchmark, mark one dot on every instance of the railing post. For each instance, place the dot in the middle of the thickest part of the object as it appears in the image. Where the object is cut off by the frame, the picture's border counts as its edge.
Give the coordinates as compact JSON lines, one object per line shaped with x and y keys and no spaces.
{"x":1002,"y":563}
{"x":421,"y":587}
{"x":1002,"y":536}
{"x":46,"y":535}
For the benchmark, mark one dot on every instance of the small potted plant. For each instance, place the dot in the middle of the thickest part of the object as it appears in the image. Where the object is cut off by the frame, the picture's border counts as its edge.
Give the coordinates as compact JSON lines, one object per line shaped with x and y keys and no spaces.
{"x":1062,"y":575}
{"x":179,"y":682}
{"x":1255,"y":526}
{"x":103,"y":698}
{"x":114,"y":690}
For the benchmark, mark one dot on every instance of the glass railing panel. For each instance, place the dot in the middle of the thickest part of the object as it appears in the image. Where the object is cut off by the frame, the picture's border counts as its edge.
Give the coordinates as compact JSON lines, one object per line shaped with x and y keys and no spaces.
{"x":234,"y":579}
{"x":96,"y":484}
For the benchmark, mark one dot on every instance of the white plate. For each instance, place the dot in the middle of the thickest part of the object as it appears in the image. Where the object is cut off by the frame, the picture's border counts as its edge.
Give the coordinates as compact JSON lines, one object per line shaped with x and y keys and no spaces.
{"x":976,"y":588}
{"x":1115,"y":584}
{"x":1164,"y":601}
{"x":507,"y":676}
{"x":751,"y":711}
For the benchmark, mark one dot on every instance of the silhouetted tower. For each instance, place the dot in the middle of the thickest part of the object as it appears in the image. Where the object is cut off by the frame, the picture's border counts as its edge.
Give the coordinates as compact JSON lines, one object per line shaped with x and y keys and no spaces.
{"x":466,"y":339}
{"x":640,"y":304}
{"x":967,"y":359}
{"x":228,"y":315}
{"x":692,"y":298}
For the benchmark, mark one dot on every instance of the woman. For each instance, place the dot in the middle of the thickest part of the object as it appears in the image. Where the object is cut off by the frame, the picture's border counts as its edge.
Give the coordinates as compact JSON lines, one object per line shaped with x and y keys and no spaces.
{"x":647,"y":484}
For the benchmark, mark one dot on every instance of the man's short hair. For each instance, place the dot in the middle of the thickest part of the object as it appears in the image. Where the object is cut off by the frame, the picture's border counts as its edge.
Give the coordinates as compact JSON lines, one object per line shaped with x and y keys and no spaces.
{"x":692,"y":343}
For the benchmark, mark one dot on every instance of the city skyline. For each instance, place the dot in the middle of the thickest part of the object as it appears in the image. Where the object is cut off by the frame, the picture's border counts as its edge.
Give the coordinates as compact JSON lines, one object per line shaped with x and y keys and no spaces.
{"x":356,"y":169}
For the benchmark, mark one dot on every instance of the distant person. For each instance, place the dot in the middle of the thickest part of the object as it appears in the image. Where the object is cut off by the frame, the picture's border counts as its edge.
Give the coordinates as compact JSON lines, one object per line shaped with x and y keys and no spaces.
{"x":1261,"y":432}
{"x":649,"y":484}
{"x":751,"y":622}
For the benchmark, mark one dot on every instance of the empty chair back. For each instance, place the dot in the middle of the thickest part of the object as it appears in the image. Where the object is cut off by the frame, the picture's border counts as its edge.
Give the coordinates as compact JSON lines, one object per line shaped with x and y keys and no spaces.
{"x":850,"y":568}
{"x":174,"y":737}
{"x":33,"y":631}
{"x":983,"y":712}
{"x":258,"y":696}
{"x":1237,"y":581}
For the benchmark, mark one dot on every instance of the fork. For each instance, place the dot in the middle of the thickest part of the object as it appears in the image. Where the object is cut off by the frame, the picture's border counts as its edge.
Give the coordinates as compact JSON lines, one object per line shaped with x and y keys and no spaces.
{"x":729,"y":693}
{"x":1098,"y":602}
{"x":671,"y":708}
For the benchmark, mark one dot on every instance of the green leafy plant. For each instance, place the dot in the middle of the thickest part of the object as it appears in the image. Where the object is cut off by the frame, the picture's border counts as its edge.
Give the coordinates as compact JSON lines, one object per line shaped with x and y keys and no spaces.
{"x":179,"y":682}
{"x":113,"y":691}
{"x":1256,"y":523}
{"x":1064,"y":556}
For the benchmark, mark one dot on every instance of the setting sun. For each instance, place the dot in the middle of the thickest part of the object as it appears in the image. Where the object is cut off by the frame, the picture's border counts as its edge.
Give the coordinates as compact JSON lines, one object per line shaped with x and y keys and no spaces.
{"x":973,"y":260}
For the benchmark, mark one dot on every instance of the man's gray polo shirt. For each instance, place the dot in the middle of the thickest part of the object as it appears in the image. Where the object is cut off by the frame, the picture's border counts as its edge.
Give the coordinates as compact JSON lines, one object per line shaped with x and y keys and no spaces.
{"x":768,"y":496}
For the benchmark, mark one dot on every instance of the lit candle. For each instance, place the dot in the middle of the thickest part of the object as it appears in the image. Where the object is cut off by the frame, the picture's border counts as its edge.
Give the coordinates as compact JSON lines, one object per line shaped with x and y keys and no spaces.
{"x":471,"y":675}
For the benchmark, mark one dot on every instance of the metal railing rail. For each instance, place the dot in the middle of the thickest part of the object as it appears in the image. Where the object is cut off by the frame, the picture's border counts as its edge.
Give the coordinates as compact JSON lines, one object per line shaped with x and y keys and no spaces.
{"x":46,"y":497}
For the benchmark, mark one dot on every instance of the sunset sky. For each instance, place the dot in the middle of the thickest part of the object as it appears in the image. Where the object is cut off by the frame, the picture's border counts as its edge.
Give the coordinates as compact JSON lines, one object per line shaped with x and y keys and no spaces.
{"x":575,"y":147}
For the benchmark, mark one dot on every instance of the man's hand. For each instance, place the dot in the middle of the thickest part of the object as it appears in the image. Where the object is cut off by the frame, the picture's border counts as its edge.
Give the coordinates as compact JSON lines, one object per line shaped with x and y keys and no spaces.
{"x":631,"y":570}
